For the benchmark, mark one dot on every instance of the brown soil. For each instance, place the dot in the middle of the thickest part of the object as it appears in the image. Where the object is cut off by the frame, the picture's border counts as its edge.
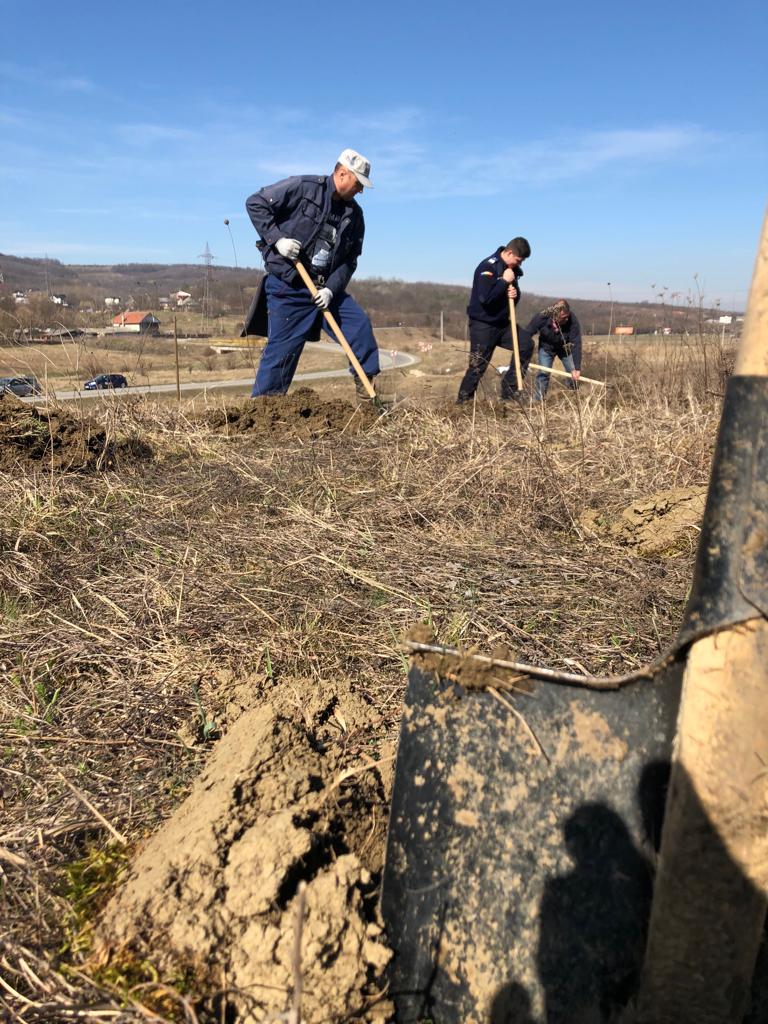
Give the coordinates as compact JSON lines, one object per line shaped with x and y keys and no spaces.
{"x":216,"y":890}
{"x":661,"y":525}
{"x":301,"y":413}
{"x":59,"y":441}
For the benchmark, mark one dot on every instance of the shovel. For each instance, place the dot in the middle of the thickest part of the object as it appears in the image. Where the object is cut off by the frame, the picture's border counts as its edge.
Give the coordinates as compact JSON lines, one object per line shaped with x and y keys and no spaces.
{"x":515,"y":344}
{"x":562,"y":373}
{"x":339,"y":334}
{"x":598,"y":845}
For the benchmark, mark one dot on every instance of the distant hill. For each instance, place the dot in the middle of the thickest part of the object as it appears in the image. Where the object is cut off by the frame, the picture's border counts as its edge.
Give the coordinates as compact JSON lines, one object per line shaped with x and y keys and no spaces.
{"x":120,"y":279}
{"x":389,"y":302}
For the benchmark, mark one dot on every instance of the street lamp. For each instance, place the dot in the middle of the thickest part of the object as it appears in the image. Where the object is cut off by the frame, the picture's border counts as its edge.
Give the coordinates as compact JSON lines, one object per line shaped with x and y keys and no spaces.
{"x":234,"y":251}
{"x":610,"y":295}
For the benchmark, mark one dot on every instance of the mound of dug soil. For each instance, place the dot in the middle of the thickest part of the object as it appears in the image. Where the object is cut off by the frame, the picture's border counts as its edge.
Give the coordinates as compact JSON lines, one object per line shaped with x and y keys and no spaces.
{"x":58,"y":441}
{"x":660,"y":525}
{"x":301,"y":413}
{"x":216,"y":890}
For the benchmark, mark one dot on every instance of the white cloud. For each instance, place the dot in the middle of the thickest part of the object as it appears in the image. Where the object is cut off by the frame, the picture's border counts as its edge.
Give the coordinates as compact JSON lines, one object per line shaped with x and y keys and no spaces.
{"x":85,"y":211}
{"x":539,"y":162}
{"x":74,"y":84}
{"x":57,"y":250}
{"x":145,"y":133}
{"x":384,"y":122}
{"x":48,"y":76}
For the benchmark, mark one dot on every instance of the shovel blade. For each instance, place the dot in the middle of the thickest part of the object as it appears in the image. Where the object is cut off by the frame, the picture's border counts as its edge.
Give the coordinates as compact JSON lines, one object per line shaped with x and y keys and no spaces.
{"x":518,"y":872}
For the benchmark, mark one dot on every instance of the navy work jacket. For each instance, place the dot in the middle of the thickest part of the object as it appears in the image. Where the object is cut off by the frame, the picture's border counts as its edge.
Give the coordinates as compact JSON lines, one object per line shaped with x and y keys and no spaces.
{"x":488,"y":301}
{"x":561,"y":340}
{"x":297,"y":208}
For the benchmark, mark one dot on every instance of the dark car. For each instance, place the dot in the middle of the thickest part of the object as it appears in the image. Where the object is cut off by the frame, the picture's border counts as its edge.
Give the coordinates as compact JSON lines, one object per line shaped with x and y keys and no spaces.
{"x":106,"y":380}
{"x":20,"y":386}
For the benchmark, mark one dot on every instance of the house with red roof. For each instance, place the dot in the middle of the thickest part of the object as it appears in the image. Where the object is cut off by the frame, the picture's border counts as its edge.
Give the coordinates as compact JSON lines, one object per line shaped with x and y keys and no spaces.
{"x":140,"y":321}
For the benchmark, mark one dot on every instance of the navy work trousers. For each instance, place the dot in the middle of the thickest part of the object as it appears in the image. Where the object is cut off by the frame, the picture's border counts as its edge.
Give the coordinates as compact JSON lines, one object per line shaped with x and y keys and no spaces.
{"x":292,"y":317}
{"x":483,"y":340}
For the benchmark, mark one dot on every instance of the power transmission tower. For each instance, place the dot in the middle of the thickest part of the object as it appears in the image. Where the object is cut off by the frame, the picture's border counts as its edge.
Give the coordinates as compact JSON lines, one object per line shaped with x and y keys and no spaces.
{"x":205,"y":307}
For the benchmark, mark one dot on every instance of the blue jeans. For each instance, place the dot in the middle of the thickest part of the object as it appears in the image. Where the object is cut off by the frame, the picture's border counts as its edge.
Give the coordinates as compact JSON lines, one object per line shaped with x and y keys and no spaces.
{"x":292,"y":316}
{"x":547,"y":358}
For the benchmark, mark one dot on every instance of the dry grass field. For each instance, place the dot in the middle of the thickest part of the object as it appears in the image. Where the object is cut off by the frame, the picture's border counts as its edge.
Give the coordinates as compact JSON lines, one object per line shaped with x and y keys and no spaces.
{"x":201,"y":671}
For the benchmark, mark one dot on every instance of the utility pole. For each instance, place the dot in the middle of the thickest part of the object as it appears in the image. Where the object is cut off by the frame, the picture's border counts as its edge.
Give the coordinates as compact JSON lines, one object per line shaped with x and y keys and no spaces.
{"x":205,"y":308}
{"x":442,"y":333}
{"x":610,"y":295}
{"x":176,"y":355}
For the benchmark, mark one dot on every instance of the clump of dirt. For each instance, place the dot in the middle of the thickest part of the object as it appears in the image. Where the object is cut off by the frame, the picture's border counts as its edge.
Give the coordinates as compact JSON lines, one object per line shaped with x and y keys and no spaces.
{"x":466,"y":671}
{"x":301,"y":413}
{"x":658,"y":526}
{"x":288,"y":796}
{"x":59,"y":441}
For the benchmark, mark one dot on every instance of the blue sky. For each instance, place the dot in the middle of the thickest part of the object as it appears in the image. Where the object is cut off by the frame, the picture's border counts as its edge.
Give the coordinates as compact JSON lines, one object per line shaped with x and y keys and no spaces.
{"x":627,"y":142}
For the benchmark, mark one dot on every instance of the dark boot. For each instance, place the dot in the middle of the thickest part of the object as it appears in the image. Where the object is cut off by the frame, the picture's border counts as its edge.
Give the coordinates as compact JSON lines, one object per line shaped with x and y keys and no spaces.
{"x":361,"y":394}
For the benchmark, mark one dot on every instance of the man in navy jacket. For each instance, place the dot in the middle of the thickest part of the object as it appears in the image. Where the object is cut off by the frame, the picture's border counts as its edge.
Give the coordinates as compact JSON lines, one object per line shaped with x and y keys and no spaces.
{"x":317,"y":220}
{"x":495,"y":282}
{"x":559,"y":336}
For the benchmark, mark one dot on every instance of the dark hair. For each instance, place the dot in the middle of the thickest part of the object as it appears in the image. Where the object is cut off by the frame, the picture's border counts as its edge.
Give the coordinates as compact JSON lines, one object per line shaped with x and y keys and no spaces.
{"x":519,"y":247}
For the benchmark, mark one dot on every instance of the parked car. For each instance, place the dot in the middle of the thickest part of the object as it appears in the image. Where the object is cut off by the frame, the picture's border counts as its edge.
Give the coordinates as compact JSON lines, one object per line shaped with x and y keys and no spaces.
{"x":106,"y":380}
{"x":20,"y":386}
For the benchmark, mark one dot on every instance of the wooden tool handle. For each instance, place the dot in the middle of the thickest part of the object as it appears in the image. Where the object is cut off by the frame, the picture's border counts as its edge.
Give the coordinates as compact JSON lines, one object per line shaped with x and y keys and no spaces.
{"x":752,"y":356}
{"x":562,"y":373}
{"x":515,"y":344}
{"x":333,"y":324}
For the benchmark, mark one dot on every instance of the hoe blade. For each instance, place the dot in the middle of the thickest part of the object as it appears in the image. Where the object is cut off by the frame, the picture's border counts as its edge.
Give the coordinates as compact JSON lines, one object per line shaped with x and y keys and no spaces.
{"x":518,"y":872}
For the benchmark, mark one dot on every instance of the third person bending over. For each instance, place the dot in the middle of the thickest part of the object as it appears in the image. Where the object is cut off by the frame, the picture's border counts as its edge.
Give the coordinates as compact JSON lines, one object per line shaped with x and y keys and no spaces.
{"x":559,"y":336}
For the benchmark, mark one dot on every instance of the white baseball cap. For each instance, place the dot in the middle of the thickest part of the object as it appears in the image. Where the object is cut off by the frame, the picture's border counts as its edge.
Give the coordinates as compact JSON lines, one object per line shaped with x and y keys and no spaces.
{"x":359,"y":166}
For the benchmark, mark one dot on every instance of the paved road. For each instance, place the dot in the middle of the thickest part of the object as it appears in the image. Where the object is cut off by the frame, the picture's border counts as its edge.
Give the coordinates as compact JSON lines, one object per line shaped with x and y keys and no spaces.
{"x":388,"y":360}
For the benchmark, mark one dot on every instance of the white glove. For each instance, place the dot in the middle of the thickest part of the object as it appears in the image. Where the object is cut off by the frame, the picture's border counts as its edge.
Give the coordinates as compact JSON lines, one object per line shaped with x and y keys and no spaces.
{"x":323,"y":298}
{"x":288,"y":247}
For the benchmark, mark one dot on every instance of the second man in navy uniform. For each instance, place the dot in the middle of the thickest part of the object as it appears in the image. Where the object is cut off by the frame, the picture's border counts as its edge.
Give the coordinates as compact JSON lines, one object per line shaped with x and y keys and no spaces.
{"x":315,"y":219}
{"x":495,"y":282}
